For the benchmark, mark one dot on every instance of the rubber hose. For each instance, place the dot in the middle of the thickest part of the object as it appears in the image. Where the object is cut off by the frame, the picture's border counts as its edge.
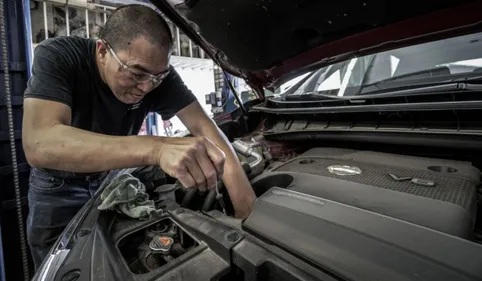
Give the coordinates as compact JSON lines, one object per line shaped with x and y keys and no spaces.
{"x":190,"y":194}
{"x":211,"y":198}
{"x":16,"y":181}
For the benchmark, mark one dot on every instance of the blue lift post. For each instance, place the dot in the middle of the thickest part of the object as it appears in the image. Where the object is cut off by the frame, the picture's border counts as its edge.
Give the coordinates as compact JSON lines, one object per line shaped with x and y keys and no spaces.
{"x":27,"y":27}
{"x":2,"y":264}
{"x":19,"y":45}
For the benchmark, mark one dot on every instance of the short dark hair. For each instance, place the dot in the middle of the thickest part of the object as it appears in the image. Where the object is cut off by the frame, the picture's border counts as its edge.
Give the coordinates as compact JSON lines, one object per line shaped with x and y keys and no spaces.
{"x":128,"y":22}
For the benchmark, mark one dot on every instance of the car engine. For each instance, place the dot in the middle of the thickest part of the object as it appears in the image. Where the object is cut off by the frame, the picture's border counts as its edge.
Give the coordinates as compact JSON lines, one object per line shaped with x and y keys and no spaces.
{"x":434,"y":193}
{"x":323,"y":214}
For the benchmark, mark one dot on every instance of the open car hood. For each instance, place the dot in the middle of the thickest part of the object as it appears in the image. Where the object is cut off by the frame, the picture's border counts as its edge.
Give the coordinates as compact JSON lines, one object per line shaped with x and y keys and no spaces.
{"x":267,"y":42}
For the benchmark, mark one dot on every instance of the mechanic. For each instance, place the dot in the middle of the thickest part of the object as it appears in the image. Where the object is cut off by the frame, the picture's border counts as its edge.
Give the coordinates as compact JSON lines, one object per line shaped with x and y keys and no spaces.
{"x":84,"y":105}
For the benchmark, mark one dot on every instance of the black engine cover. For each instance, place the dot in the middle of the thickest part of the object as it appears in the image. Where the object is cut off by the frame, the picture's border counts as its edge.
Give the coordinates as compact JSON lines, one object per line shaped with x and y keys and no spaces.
{"x":354,"y":244}
{"x":438,"y":194}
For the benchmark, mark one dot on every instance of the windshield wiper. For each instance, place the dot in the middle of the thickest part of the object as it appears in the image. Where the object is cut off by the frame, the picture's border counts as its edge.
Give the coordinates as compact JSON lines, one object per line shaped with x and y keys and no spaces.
{"x":414,"y":80}
{"x":436,"y":72}
{"x":313,"y":96}
{"x":467,"y":85}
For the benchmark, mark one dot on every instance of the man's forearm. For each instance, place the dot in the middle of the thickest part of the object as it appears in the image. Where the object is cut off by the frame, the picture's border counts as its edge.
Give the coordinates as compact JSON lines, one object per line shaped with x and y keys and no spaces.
{"x":238,"y":186}
{"x":235,"y":179}
{"x":67,"y":148}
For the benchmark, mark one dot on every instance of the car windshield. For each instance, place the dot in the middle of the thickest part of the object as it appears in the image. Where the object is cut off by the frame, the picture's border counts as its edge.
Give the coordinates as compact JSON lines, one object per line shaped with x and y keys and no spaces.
{"x":432,"y":62}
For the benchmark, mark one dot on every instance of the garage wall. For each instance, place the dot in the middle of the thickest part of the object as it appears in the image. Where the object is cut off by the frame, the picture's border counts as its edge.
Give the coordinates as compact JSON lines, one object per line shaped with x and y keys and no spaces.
{"x":37,"y":19}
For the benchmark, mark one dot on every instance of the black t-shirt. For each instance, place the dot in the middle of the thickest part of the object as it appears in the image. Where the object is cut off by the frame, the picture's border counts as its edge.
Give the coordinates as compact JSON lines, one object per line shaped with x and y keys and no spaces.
{"x":65,"y":70}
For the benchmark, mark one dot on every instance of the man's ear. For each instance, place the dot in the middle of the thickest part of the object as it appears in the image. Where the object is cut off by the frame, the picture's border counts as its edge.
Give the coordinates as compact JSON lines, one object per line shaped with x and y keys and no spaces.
{"x":101,"y":51}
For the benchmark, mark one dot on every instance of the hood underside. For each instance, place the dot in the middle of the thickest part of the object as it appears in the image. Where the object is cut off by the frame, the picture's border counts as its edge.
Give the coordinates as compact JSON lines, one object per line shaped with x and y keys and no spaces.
{"x":268,"y":41}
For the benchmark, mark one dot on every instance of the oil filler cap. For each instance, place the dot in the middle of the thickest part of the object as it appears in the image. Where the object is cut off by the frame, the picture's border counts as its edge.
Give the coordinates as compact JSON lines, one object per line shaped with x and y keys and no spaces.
{"x":161,"y":244}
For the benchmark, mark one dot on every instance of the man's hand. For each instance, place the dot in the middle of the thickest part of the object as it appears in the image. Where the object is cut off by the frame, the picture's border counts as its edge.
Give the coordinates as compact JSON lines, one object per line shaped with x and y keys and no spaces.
{"x":195,"y":162}
{"x":237,"y":184}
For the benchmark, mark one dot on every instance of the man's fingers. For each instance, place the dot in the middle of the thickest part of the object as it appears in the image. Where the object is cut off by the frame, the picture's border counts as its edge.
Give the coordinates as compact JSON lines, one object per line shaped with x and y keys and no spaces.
{"x":182,"y":174}
{"x":197,"y":174}
{"x":208,"y":169}
{"x":217,"y":157}
{"x":187,"y":180}
{"x":197,"y":163}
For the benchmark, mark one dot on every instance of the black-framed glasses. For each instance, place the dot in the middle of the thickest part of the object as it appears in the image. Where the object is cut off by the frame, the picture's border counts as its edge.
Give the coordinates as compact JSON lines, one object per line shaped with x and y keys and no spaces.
{"x":135,"y":75}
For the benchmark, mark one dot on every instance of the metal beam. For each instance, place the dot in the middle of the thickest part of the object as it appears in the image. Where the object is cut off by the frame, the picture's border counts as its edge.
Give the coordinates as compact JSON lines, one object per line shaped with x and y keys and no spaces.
{"x":98,"y":20}
{"x":46,"y":24}
{"x":67,"y":19}
{"x":178,"y":41}
{"x":190,"y":48}
{"x":82,"y":5}
{"x":87,"y":22}
{"x":127,"y":2}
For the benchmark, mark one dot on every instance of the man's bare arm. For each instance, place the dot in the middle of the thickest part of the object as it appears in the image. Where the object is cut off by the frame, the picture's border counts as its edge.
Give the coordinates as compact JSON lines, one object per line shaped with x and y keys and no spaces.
{"x":50,"y":142}
{"x":235,"y":179}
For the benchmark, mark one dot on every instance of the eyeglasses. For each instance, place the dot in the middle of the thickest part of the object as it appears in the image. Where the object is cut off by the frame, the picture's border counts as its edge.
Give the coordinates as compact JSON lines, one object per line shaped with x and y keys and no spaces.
{"x":137,"y":75}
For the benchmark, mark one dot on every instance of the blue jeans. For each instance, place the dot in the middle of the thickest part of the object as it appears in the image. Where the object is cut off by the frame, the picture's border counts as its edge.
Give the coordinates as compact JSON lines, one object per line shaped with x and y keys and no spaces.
{"x":53,"y":202}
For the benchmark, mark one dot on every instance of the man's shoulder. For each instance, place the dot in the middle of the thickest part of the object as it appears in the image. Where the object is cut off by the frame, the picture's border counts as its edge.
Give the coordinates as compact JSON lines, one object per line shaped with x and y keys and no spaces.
{"x":61,"y":69}
{"x":64,"y":41}
{"x":67,"y":45}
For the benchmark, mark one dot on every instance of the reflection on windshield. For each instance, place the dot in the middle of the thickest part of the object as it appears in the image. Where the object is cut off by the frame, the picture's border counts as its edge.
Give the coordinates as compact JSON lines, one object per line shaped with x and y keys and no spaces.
{"x":439,"y":59}
{"x":286,"y":86}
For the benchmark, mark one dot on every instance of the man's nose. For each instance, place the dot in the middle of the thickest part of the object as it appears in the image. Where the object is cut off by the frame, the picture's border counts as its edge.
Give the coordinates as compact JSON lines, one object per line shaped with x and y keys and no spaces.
{"x":145,"y":86}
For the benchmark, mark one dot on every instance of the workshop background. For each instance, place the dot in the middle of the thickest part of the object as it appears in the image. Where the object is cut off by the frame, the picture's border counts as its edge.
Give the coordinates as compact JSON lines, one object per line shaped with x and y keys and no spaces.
{"x":27,"y":24}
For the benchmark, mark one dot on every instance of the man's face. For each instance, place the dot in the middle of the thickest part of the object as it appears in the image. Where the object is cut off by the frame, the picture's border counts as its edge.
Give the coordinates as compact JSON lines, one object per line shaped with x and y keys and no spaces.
{"x":133,"y":72}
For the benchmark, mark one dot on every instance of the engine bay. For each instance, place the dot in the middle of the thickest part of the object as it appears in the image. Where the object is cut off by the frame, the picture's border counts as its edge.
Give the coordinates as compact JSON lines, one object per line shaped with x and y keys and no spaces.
{"x":439,"y":194}
{"x":321,"y":214}
{"x":156,"y":245}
